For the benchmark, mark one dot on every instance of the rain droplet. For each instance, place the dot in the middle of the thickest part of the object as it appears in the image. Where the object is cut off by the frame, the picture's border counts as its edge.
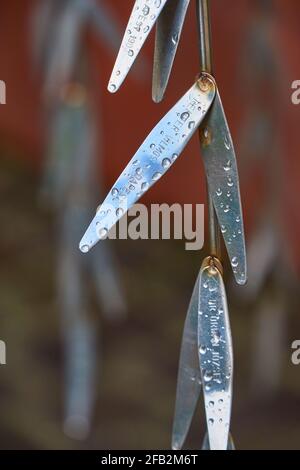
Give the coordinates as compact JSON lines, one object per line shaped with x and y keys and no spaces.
{"x":130,"y":52}
{"x":85,"y":248}
{"x":227,"y":166}
{"x":184,"y":116}
{"x":219,"y":192}
{"x":191,"y":124}
{"x":238,"y":219}
{"x":216,"y":338}
{"x":145,"y":186}
{"x":156,"y":176}
{"x":227,"y":144}
{"x":229,"y":182}
{"x":146,"y":10}
{"x":139,"y":171}
{"x":202,"y":349}
{"x":166,"y":163}
{"x":210,"y":421}
{"x":174,"y":156}
{"x":207,"y":376}
{"x":146,"y":29}
{"x":152,"y":146}
{"x":221,"y":401}
{"x":119,"y":212}
{"x":175,"y":39}
{"x":112,"y":87}
{"x":103,"y":232}
{"x":227,"y":209}
{"x":223,"y":229}
{"x":157,"y":3}
{"x":114,"y":192}
{"x":211,"y":404}
{"x":234,"y":262}
{"x":118,"y":73}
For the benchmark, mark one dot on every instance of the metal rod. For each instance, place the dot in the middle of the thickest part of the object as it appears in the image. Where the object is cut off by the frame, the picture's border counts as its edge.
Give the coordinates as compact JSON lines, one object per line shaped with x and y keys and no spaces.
{"x":205,"y":51}
{"x":204,"y":31}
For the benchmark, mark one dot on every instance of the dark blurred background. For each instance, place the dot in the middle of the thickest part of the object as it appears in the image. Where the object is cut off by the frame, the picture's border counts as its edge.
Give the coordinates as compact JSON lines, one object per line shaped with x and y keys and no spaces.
{"x":93,"y":340}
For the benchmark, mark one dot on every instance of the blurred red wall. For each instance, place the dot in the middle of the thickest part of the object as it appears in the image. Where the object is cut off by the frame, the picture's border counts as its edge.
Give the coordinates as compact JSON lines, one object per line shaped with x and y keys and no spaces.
{"x":128,"y":116}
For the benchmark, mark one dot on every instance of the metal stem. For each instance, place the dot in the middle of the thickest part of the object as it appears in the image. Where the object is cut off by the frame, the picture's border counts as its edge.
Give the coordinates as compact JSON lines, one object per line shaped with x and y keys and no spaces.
{"x":205,"y":51}
{"x":203,"y":18}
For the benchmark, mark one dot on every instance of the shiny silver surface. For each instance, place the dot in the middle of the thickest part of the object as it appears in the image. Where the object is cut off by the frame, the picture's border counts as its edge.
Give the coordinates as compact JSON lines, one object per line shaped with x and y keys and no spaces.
{"x":168,"y":31}
{"x":153,"y":159}
{"x":223,"y":185}
{"x":205,"y":444}
{"x":215,"y":355}
{"x":189,"y":379}
{"x":143,"y":17}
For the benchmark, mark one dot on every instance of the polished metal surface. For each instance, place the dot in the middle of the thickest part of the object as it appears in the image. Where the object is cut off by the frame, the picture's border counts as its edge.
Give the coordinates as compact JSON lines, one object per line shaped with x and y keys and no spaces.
{"x":189,"y":379}
{"x":223,"y":185}
{"x":168,"y":31}
{"x":204,"y":29}
{"x":153,"y":159}
{"x":143,"y":17}
{"x":205,"y":444}
{"x":205,"y":56}
{"x":215,"y":354}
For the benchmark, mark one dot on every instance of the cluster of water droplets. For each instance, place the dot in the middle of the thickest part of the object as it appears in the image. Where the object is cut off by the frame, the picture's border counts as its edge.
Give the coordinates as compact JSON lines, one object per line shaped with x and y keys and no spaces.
{"x":138,"y":26}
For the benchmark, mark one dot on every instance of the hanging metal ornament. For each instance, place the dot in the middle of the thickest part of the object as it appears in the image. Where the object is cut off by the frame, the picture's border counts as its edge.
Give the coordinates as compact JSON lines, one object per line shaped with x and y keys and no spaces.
{"x":206,"y":352}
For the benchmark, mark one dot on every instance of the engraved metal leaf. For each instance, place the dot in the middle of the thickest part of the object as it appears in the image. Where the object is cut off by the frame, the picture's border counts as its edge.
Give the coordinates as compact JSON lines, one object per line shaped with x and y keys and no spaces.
{"x":189,"y":379}
{"x":223,"y":185}
{"x":152,"y":160}
{"x":142,"y":20}
{"x":215,"y":355}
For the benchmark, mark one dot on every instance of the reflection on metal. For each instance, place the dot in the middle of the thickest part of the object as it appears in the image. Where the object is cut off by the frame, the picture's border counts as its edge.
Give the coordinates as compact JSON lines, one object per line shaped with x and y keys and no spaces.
{"x":189,"y":377}
{"x":207,"y":330}
{"x":205,"y":444}
{"x":156,"y":155}
{"x":153,"y":159}
{"x":206,"y":358}
{"x":141,"y":21}
{"x":168,"y":32}
{"x":169,"y":16}
{"x":223,"y":186}
{"x":215,"y":353}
